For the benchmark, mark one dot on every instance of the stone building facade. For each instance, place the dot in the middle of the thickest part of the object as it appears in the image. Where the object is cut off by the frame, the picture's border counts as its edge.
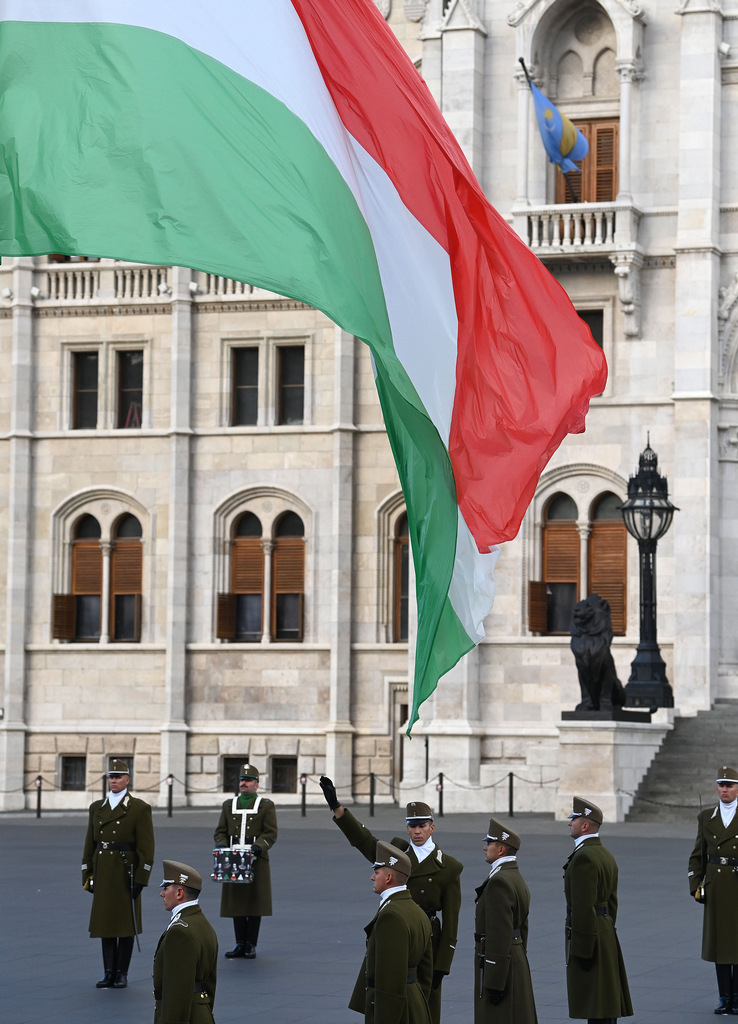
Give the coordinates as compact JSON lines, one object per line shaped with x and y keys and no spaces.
{"x":203,"y":537}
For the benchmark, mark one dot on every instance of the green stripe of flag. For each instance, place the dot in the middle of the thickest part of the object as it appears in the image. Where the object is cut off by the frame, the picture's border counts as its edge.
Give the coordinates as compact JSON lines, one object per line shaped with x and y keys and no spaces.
{"x":127,"y":143}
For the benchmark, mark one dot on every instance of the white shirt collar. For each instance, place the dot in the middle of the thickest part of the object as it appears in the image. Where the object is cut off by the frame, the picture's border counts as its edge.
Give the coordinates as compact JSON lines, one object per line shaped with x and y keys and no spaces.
{"x":115,"y":798}
{"x":590,"y":835}
{"x":179,"y":908}
{"x":389,"y":892}
{"x":727,"y":811}
{"x":421,"y":852}
{"x":499,"y":862}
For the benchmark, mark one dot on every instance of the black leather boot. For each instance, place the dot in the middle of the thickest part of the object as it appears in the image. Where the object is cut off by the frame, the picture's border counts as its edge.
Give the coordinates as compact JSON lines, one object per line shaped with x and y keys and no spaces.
{"x":239,"y":950}
{"x":109,"y":951}
{"x":121,"y":980}
{"x":724,"y":1006}
{"x":249,"y":951}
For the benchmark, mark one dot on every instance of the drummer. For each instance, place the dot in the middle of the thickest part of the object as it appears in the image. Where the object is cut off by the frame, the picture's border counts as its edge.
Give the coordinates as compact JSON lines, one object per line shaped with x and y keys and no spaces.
{"x":248,"y":820}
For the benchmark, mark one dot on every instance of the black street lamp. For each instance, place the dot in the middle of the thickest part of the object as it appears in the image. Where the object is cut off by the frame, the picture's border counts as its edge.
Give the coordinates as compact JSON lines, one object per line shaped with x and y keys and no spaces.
{"x":648,"y":514}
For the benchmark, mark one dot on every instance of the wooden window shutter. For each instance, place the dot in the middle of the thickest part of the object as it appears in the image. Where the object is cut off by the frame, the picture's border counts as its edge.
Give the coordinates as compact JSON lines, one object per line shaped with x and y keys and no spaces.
{"x":247,"y":566}
{"x":561,"y":553}
{"x":87,"y":568}
{"x":126,"y":567}
{"x":607,"y":569}
{"x":289,"y":565}
{"x":225,"y":627}
{"x":537,"y":608}
{"x":597,"y":179}
{"x":604,"y":147}
{"x":63,"y":617}
{"x":288,"y":577}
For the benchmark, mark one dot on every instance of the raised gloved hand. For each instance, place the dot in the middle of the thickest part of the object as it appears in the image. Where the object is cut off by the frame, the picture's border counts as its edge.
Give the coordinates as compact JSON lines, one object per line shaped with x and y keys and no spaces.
{"x":136,"y":890}
{"x":438,"y":977}
{"x":494,"y":995}
{"x":256,"y":850}
{"x":329,"y":792}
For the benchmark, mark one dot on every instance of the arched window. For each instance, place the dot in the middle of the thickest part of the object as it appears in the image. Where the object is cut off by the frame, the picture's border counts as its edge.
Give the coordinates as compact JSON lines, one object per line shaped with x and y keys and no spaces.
{"x":104,"y":582}
{"x":575,"y":564}
{"x":401,"y":580}
{"x":265,"y":599}
{"x":87,"y":566}
{"x":126,"y":570}
{"x":582,"y":69}
{"x":288,"y":577}
{"x":606,"y":557}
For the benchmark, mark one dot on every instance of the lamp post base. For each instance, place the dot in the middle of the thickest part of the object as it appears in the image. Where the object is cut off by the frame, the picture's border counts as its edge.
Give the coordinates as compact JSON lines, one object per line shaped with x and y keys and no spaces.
{"x":648,"y":686}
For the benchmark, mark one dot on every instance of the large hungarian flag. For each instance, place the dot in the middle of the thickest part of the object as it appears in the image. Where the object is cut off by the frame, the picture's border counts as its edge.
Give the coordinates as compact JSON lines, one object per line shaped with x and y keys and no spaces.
{"x":293,"y":145}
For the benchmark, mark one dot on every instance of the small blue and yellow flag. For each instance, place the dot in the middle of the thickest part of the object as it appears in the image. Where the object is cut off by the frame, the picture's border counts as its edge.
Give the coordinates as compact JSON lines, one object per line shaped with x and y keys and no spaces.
{"x":563,"y":141}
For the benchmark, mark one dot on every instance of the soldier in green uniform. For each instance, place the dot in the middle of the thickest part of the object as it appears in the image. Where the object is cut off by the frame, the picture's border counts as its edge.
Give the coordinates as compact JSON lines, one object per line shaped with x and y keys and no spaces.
{"x":116,"y":864}
{"x":395,"y":979}
{"x":434,"y":883}
{"x":713,"y":880}
{"x":186,"y":957}
{"x":595,"y":973}
{"x":248,"y":820}
{"x":503,"y":991}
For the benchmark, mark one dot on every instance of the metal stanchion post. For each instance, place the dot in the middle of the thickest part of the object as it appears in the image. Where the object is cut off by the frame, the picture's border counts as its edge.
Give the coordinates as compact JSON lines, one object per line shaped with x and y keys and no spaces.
{"x":170,"y":789}
{"x":371,"y":794}
{"x":303,"y":783}
{"x":38,"y":795}
{"x":439,"y":787}
{"x":510,"y":801}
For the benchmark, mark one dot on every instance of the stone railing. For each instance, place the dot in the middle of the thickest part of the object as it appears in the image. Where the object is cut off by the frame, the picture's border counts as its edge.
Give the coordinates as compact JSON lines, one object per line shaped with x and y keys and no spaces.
{"x":105,"y":281}
{"x":212,"y":286}
{"x":573,"y":226}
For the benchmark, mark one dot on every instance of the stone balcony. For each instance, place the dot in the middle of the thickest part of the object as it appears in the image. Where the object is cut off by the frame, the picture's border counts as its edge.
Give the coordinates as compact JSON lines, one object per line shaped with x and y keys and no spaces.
{"x":580,"y":230}
{"x":100,"y":284}
{"x":589,"y":232}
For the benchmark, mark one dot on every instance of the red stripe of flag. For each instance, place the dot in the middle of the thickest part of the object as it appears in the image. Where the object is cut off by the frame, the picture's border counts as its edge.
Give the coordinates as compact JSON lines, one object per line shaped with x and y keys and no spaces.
{"x":526,"y":364}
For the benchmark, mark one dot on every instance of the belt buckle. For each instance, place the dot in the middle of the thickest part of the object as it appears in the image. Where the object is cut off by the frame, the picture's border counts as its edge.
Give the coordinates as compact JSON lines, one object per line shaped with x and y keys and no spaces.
{"x":724,"y":860}
{"x":104,"y":845}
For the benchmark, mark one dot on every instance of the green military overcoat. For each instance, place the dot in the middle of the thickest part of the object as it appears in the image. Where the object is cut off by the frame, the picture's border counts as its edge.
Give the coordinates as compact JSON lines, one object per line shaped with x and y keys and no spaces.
{"x":128,"y":825}
{"x":185,"y":970}
{"x":720,"y":924}
{"x":254,"y":824}
{"x":501,"y":940}
{"x":591,"y":889}
{"x":395,"y":979}
{"x":434,"y":884}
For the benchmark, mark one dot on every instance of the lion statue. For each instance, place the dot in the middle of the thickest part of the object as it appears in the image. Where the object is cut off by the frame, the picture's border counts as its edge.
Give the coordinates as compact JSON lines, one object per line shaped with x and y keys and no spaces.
{"x":591,"y":636}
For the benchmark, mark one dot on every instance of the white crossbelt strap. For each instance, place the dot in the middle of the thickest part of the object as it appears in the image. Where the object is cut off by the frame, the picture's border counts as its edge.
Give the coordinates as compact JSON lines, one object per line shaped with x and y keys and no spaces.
{"x":244,"y":812}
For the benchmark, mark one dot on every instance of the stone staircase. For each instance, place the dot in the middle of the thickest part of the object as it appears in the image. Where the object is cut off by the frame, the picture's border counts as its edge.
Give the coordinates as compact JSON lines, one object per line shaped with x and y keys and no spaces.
{"x":686,"y":765}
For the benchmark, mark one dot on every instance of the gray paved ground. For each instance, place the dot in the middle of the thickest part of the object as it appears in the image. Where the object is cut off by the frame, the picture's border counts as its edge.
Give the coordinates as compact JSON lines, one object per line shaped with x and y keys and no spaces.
{"x":310,"y":951}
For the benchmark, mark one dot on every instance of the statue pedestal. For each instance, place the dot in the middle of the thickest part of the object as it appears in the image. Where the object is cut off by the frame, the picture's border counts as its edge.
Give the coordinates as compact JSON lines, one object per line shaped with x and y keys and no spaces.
{"x":605,"y":758}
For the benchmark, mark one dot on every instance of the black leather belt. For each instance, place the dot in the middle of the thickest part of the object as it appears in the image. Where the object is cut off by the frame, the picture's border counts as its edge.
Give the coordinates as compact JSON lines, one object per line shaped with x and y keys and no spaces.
{"x":412,"y":977}
{"x":125,"y":847}
{"x":199,"y":989}
{"x":600,"y":909}
{"x":730,"y":862}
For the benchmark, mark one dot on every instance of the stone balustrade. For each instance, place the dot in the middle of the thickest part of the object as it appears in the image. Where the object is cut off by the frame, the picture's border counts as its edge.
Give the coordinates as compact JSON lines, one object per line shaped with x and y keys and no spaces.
{"x":573,"y":226}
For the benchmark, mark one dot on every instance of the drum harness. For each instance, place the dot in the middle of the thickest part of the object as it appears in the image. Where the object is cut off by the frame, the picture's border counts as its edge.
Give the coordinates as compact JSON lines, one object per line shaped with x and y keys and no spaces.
{"x":244,"y":812}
